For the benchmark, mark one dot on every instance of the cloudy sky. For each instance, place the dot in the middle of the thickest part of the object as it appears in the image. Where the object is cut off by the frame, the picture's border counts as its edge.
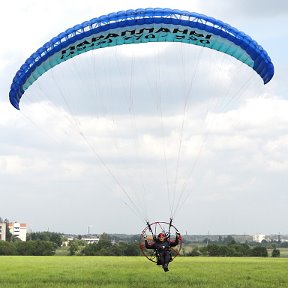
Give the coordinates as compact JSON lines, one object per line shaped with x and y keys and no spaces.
{"x":125,"y":134}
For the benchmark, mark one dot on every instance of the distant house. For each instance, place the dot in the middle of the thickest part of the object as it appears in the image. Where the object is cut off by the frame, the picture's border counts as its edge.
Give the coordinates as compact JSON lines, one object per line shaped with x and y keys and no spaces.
{"x":3,"y":231}
{"x":18,"y":230}
{"x":87,"y":239}
{"x":258,"y":238}
{"x":91,"y":240}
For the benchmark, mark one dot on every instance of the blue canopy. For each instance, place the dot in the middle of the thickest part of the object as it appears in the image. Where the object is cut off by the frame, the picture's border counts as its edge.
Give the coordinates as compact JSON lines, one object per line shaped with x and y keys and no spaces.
{"x":141,"y":26}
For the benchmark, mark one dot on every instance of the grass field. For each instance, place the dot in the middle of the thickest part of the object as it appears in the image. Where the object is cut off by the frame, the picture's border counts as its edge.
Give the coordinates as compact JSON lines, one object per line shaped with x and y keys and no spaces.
{"x":63,"y":271}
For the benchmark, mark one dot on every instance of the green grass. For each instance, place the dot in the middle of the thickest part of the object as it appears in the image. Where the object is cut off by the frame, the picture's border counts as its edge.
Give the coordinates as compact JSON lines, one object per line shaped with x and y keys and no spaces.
{"x":63,"y":271}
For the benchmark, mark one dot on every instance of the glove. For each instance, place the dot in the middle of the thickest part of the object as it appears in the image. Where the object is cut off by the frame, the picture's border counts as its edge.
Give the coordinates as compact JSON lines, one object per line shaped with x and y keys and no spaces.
{"x":178,"y":235}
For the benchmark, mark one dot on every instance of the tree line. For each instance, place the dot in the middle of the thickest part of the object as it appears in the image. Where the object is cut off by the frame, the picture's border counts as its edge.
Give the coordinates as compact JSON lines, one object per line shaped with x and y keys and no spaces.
{"x":29,"y":248}
{"x":104,"y":247}
{"x":230,"y":248}
{"x":46,"y":243}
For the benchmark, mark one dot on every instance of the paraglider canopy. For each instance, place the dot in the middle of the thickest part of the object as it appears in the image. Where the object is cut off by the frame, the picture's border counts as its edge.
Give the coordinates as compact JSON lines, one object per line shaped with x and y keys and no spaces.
{"x":141,"y":26}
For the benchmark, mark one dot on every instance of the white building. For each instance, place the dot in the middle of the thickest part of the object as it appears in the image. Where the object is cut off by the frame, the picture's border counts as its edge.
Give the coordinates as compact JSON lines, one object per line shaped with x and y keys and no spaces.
{"x":258,"y":238}
{"x":3,"y":231}
{"x":19,"y":230}
{"x":90,"y":240}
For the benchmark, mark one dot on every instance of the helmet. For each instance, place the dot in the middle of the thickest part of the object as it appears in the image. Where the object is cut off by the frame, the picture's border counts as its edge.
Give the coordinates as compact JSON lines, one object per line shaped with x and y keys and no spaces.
{"x":161,"y":235}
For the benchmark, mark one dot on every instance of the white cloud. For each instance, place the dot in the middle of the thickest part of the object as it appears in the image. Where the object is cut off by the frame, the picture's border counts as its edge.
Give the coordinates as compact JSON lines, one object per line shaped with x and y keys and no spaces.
{"x":275,"y":153}
{"x":19,"y":165}
{"x":260,"y":114}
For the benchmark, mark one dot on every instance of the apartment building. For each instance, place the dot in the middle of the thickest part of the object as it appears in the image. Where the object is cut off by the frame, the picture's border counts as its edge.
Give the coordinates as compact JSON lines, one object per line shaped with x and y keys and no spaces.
{"x":3,"y":231}
{"x":18,"y":229}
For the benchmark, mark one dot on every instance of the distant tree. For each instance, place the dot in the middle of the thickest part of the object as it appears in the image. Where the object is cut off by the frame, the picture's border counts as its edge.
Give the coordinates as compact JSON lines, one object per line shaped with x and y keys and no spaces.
{"x":105,"y":248}
{"x":46,"y":236}
{"x":273,"y":245}
{"x":76,"y":246}
{"x":90,"y":250}
{"x":264,"y":242}
{"x":102,"y":248}
{"x":23,"y":248}
{"x":9,"y":235}
{"x":32,"y":248}
{"x":206,"y":240}
{"x":238,"y":250}
{"x":231,"y":250}
{"x":44,"y":248}
{"x":104,"y":243}
{"x":259,"y":251}
{"x":275,"y":253}
{"x":7,"y":248}
{"x":134,"y":238}
{"x":204,"y":251}
{"x":105,"y":251}
{"x":223,"y":250}
{"x":105,"y":237}
{"x":35,"y":248}
{"x":229,"y":240}
{"x":195,"y":252}
{"x":213,"y":250}
{"x":15,"y":239}
{"x":129,"y":249}
{"x":284,"y":245}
